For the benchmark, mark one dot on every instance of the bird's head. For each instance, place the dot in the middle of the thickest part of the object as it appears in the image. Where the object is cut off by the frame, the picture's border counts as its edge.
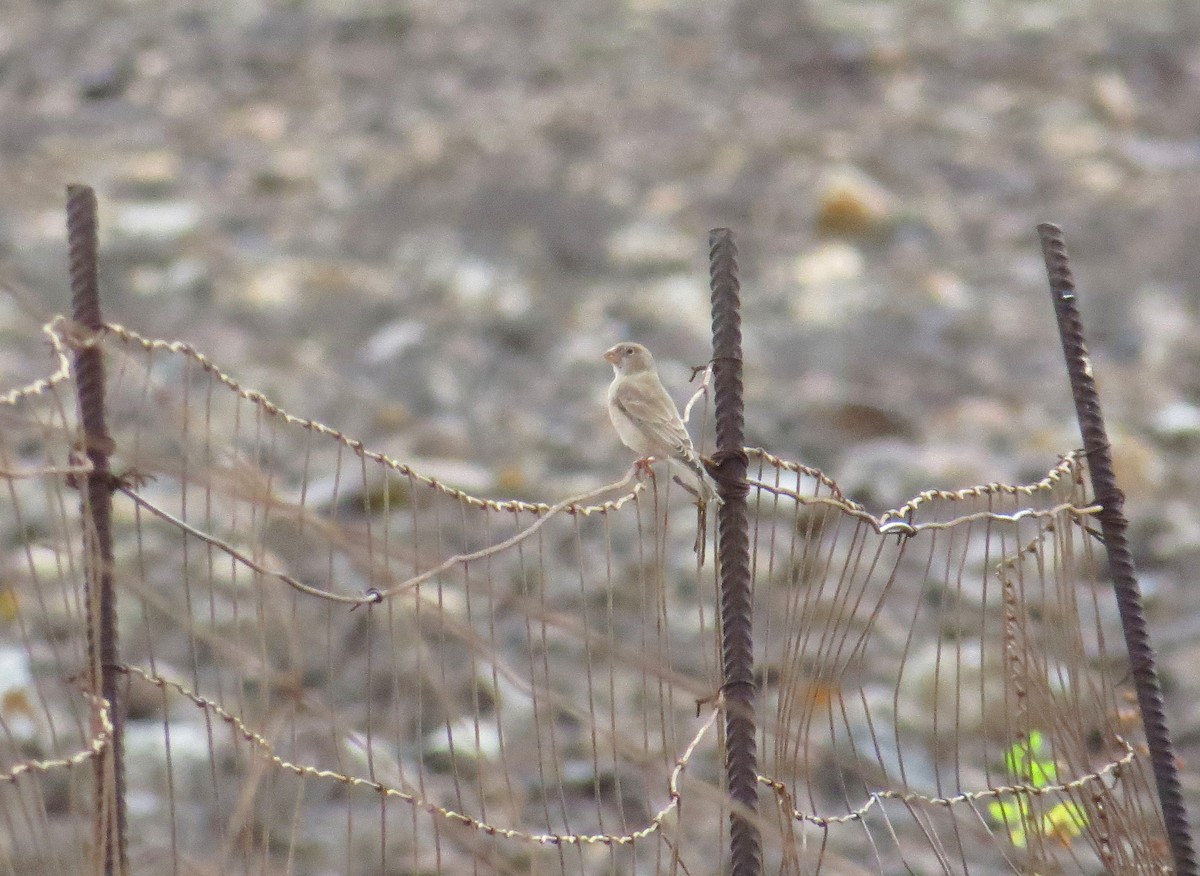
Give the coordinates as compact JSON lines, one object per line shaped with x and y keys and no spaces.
{"x":629,"y":358}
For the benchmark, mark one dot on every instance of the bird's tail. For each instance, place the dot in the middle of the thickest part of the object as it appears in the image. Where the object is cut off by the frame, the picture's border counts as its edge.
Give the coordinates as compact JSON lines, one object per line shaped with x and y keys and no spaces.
{"x":700,"y":480}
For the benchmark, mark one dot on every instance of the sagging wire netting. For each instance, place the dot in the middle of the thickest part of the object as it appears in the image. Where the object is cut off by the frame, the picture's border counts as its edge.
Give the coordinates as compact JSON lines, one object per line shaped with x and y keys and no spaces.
{"x":335,"y":663}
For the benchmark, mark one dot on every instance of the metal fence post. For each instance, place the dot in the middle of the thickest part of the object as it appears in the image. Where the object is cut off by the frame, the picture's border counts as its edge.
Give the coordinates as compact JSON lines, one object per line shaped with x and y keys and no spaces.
{"x":733,"y":556}
{"x":96,"y":506}
{"x":1114,"y":525}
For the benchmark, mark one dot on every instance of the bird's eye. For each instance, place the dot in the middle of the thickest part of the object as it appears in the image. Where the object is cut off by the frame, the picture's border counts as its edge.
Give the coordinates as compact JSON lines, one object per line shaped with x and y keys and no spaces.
{"x":629,"y":351}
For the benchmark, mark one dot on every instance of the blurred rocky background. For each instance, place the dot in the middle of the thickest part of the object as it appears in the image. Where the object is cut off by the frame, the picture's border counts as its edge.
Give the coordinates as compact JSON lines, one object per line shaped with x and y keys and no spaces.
{"x":424,"y":221}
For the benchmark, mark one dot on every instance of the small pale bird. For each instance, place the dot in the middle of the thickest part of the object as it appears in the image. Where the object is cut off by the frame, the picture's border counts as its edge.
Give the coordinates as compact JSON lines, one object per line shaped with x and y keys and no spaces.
{"x":646,"y":418}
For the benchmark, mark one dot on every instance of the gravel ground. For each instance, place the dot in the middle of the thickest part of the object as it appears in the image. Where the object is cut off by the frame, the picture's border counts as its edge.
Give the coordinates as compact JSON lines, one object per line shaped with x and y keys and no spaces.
{"x":424,"y":222}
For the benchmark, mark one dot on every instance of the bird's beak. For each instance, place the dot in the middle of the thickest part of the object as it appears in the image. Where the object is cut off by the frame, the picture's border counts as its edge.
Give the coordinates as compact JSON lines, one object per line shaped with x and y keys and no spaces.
{"x":611,"y":356}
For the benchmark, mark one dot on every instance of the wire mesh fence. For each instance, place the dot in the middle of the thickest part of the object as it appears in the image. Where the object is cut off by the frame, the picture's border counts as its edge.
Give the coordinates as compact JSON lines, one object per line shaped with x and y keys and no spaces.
{"x":333,"y":662}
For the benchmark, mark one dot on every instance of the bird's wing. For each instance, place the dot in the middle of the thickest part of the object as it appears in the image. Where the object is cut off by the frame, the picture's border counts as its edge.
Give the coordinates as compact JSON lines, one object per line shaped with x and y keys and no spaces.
{"x":642,"y":399}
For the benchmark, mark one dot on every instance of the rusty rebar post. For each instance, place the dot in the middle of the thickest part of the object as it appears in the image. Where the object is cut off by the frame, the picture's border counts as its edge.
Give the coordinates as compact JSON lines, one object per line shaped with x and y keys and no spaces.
{"x":96,"y":507}
{"x":1114,"y":526}
{"x":733,"y":556}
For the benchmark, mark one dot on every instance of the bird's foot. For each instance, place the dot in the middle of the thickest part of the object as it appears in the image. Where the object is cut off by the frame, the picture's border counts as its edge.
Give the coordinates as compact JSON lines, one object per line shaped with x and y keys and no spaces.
{"x":643,"y":466}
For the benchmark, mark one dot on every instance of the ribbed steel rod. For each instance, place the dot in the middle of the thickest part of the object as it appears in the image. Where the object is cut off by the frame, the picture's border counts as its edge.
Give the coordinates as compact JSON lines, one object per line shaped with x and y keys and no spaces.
{"x":96,"y":507}
{"x":1115,"y":526}
{"x":733,"y":555}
